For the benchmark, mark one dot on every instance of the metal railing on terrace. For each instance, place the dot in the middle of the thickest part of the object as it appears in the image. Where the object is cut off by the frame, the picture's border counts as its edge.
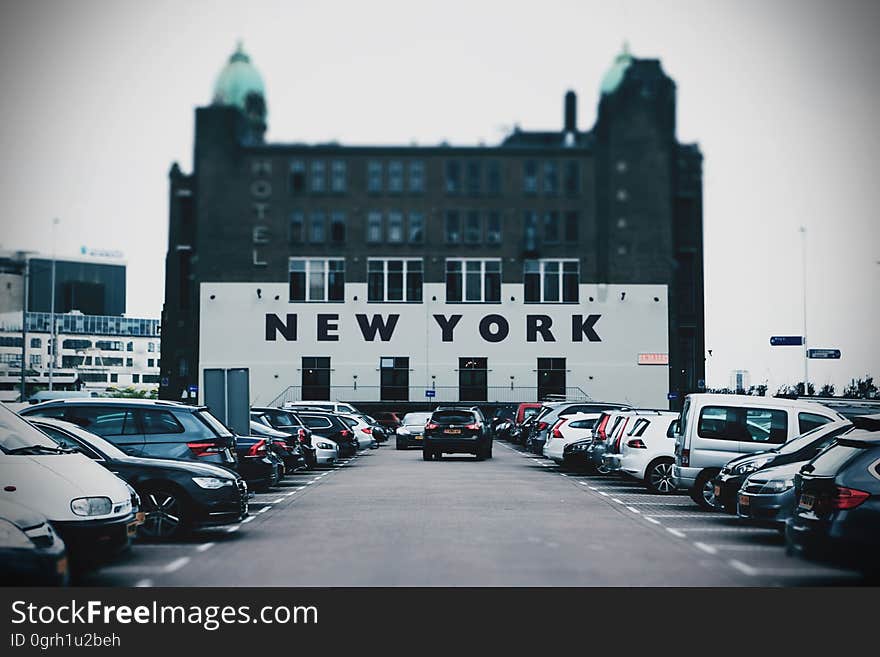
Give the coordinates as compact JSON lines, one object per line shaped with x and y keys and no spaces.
{"x":494,"y":394}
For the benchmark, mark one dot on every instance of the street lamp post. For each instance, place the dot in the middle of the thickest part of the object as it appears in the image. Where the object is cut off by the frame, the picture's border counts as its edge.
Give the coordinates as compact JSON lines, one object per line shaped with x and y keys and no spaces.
{"x":52,"y":335}
{"x":25,"y":265}
{"x":803,"y":231}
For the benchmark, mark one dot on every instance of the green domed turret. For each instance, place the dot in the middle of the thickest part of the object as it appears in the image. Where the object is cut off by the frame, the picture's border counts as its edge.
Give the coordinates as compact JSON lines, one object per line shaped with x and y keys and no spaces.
{"x":614,"y":76}
{"x":241,"y":85}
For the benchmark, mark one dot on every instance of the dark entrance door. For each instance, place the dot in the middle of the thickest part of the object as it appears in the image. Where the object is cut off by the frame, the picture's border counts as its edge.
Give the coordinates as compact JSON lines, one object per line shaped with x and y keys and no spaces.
{"x":551,"y":377}
{"x":472,"y":379}
{"x":316,"y":378}
{"x":394,"y":378}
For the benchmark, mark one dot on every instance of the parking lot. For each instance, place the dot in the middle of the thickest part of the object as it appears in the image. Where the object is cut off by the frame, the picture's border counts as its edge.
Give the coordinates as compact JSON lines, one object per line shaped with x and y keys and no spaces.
{"x":386,"y":517}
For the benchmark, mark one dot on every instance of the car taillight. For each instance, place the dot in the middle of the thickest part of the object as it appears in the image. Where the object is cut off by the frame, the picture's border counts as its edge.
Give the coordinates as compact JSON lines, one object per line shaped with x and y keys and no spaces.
{"x":637,"y":444}
{"x":556,"y":432}
{"x":431,"y":425}
{"x":204,"y":449}
{"x":301,"y":435}
{"x":685,"y":458}
{"x":847,"y":498}
{"x":257,"y":449}
{"x":542,"y":425}
{"x":367,"y":430}
{"x":600,"y":430}
{"x":474,"y":426}
{"x":345,"y":433}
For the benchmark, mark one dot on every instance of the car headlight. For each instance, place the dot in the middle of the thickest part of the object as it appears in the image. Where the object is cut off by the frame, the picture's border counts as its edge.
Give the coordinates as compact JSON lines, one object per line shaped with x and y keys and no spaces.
{"x":212,"y":483}
{"x":751,"y":466}
{"x":777,"y":485}
{"x":12,"y":537}
{"x":325,"y":446}
{"x":403,"y":431}
{"x":91,"y":506}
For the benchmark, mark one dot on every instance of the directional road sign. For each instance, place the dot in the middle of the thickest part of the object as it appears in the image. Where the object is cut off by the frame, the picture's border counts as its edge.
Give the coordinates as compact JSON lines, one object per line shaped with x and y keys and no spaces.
{"x":823,"y":353}
{"x":786,"y":341}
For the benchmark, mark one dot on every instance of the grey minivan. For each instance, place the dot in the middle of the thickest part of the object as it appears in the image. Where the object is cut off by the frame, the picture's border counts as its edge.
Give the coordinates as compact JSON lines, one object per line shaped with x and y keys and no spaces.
{"x":148,"y":428}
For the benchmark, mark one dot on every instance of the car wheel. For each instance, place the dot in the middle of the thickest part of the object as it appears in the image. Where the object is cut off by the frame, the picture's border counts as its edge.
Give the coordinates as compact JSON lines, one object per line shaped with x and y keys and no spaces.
{"x":426,"y":455}
{"x":658,"y":477}
{"x":166,"y":512}
{"x":703,"y":492}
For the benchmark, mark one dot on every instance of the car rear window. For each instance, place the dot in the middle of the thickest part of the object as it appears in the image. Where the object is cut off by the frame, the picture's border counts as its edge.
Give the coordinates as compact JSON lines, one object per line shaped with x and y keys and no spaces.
{"x":759,"y":425}
{"x":809,"y":421}
{"x":103,"y":420}
{"x":416,"y":418}
{"x":316,"y":422}
{"x":219,"y":428}
{"x":582,"y":424}
{"x":160,"y":422}
{"x":529,"y":411}
{"x":833,"y":460}
{"x":453,"y":416}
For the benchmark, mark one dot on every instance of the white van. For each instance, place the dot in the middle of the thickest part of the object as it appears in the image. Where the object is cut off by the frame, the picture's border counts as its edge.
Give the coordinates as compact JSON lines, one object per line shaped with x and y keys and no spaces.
{"x":325,"y":406}
{"x":92,"y":509}
{"x":715,"y":428}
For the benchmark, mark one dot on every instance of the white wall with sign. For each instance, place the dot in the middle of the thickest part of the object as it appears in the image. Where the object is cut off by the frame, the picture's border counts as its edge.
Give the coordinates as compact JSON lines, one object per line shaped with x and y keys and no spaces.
{"x":603,"y":340}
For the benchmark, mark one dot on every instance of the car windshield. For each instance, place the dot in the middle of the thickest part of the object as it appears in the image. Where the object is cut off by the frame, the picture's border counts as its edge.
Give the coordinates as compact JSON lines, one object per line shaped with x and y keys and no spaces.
{"x":16,"y":433}
{"x":416,"y":419}
{"x":453,"y":416}
{"x":218,"y":427}
{"x":806,"y":439}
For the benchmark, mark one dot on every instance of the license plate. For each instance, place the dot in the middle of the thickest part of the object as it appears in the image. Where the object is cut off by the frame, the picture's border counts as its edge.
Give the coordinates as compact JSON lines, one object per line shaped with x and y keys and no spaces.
{"x":744,"y":500}
{"x":807,"y":501}
{"x":452,"y":431}
{"x":417,"y":436}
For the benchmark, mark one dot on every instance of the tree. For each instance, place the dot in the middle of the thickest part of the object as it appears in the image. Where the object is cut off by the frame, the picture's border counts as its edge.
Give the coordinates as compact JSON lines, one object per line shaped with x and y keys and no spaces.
{"x":811,"y":389}
{"x":827,"y":390}
{"x":861,"y":388}
{"x":759,"y":390}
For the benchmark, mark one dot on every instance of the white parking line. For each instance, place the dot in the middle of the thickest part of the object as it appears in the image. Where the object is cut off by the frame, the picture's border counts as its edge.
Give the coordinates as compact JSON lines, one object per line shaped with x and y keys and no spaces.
{"x":676,"y":532}
{"x":633,"y":509}
{"x":144,"y":583}
{"x":743,"y":530}
{"x":747,"y":547}
{"x":680,"y":515}
{"x":248,"y":519}
{"x":656,"y":522}
{"x":708,"y":549}
{"x":233,"y":529}
{"x":175,"y":565}
{"x":204,"y":547}
{"x":263,"y":510}
{"x":603,"y":493}
{"x":614,"y":499}
{"x":745,"y":569}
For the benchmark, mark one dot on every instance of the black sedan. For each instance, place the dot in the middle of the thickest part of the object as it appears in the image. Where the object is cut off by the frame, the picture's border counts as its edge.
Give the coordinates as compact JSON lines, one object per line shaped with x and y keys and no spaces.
{"x":176,"y":496}
{"x":31,"y":553}
{"x":282,"y":444}
{"x":257,"y":463}
{"x":803,"y":448}
{"x":574,"y":455}
{"x":457,"y":432}
{"x":837,"y":519}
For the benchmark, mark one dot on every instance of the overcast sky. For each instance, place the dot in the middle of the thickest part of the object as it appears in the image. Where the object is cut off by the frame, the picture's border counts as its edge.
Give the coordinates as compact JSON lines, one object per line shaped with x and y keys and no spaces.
{"x":97,"y":102}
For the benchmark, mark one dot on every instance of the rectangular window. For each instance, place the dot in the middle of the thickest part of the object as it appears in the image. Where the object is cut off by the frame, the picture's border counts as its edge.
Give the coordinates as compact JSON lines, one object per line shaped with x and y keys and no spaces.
{"x":473,"y":281}
{"x":338,"y":176}
{"x":395,"y":176}
{"x":375,"y":233}
{"x":394,"y":378}
{"x":135,"y":378}
{"x":395,"y":227}
{"x":374,"y":176}
{"x":416,"y":228}
{"x":551,"y":228}
{"x":129,"y":362}
{"x":394,"y":280}
{"x":493,"y":178}
{"x":551,"y":281}
{"x":551,"y":377}
{"x":493,"y":227}
{"x":317,"y":228}
{"x":530,"y":230}
{"x":474,"y":178}
{"x":809,"y":421}
{"x":572,"y":223}
{"x":36,"y":343}
{"x":473,"y":227}
{"x":572,"y":178}
{"x":453,"y":177}
{"x":318,"y":177}
{"x":337,"y":228}
{"x":551,"y":178}
{"x":297,"y":179}
{"x":452,"y":227}
{"x":417,"y":176}
{"x":36,"y":359}
{"x":295,"y":233}
{"x":315,"y":378}
{"x":317,"y":279}
{"x":472,"y":379}
{"x":149,"y":362}
{"x":530,"y":177}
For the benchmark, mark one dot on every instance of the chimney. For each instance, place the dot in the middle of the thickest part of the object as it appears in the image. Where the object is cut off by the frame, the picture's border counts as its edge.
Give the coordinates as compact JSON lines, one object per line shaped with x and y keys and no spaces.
{"x":570,"y":111}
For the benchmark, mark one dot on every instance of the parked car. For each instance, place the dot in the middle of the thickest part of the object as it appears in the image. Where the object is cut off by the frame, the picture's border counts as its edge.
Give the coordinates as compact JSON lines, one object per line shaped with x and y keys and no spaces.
{"x":715,"y":428}
{"x":330,"y":425}
{"x":798,"y":450}
{"x":148,"y":428}
{"x":647,"y":453}
{"x":502,"y":422}
{"x":837,"y":518}
{"x":380,"y":432}
{"x":325,"y":406}
{"x":176,"y":496}
{"x":361,"y":429}
{"x":31,"y":553}
{"x":609,"y":425}
{"x":568,"y":429}
{"x":93,"y":510}
{"x":526,"y":410}
{"x":412,"y":430}
{"x":574,"y":455}
{"x":552,"y":411}
{"x":456,"y":432}
{"x":767,"y":497}
{"x":288,"y":422}
{"x":283,"y":444}
{"x":326,"y":451}
{"x":257,"y":465}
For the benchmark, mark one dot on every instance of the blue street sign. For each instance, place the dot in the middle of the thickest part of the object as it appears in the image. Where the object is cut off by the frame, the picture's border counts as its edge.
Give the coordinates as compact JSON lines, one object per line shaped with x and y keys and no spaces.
{"x":823,"y":353}
{"x":786,"y":341}
{"x":193,"y":388}
{"x":672,"y":395}
{"x":430,"y":393}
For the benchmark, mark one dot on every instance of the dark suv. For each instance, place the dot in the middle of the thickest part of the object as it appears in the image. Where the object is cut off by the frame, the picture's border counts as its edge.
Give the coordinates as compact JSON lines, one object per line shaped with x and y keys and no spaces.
{"x":331,"y":426}
{"x":457,"y":431}
{"x":147,"y":428}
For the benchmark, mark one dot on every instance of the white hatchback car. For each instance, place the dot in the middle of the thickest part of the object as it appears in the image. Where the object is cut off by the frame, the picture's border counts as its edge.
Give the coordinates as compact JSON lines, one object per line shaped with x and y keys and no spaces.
{"x":361,"y":430}
{"x":647,"y":452}
{"x":326,"y":450}
{"x":568,"y":429}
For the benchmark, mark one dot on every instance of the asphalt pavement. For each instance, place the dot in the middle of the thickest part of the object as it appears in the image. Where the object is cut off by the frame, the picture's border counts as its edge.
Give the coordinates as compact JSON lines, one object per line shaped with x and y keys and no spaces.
{"x":388,"y":518}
